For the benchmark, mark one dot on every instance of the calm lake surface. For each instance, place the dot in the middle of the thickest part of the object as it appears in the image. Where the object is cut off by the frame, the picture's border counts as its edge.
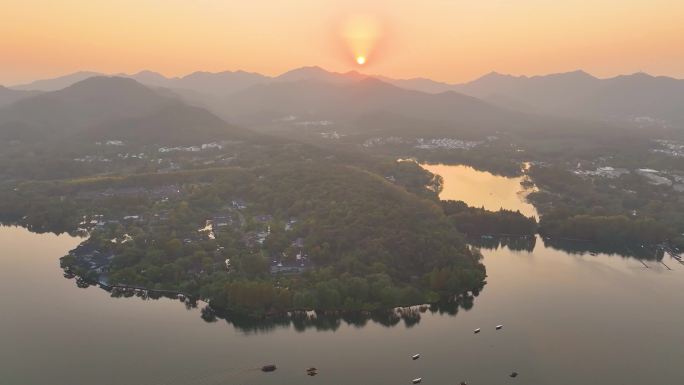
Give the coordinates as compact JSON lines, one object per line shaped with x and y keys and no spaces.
{"x":481,"y":189}
{"x":568,"y":319}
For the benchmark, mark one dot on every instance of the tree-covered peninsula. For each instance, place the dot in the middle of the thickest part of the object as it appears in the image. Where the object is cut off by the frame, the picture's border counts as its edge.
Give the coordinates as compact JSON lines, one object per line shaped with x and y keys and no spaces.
{"x":325,"y":235}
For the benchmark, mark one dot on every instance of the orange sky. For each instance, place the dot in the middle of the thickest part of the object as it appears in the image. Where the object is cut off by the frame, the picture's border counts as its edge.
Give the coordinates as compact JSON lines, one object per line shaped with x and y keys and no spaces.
{"x":448,"y":40}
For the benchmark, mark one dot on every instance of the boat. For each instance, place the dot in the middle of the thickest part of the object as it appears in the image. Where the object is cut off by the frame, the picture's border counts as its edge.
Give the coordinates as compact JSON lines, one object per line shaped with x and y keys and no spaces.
{"x":514,"y":375}
{"x":499,"y":327}
{"x":417,"y":380}
{"x":476,"y":330}
{"x":415,"y":357}
{"x":268,"y":368}
{"x":312,"y":369}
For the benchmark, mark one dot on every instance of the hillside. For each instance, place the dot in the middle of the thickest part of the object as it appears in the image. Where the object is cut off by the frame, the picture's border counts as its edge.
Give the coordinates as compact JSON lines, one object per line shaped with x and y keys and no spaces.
{"x":213,"y":84}
{"x":9,"y":96}
{"x":175,"y":124}
{"x":639,"y":98}
{"x":110,"y":107}
{"x":58,"y":83}
{"x":316,"y":100}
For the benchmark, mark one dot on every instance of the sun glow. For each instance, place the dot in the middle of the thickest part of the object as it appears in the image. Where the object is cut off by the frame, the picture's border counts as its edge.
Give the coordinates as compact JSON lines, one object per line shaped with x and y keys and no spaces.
{"x":361,"y":34}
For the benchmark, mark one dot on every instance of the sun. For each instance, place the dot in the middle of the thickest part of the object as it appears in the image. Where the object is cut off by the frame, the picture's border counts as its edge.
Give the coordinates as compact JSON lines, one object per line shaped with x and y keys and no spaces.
{"x":360,"y":34}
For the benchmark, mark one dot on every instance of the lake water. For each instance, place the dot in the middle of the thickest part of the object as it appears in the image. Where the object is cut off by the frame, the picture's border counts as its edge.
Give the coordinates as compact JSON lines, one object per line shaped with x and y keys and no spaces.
{"x":481,"y":189}
{"x":568,"y":319}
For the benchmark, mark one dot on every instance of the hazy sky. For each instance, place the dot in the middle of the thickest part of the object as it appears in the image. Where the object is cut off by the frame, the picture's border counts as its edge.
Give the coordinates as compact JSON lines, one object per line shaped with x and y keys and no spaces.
{"x":449,"y":40}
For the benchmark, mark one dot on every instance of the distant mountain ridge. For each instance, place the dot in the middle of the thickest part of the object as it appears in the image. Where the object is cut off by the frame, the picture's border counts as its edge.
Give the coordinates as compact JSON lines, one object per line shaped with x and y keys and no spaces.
{"x":637,"y":98}
{"x":112,"y":108}
{"x":118,"y":108}
{"x":579,"y":94}
{"x":9,"y":96}
{"x":353,"y":98}
{"x":58,"y":83}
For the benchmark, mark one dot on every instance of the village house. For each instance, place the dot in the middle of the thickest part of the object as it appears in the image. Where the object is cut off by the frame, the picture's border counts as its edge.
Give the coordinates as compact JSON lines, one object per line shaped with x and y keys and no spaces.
{"x":290,"y":223}
{"x":263,"y":218}
{"x":289,"y":267}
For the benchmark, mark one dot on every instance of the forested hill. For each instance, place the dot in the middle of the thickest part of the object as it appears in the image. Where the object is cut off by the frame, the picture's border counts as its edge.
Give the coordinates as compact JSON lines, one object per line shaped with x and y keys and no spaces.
{"x":369,"y":241}
{"x":104,"y":108}
{"x":358,"y":220}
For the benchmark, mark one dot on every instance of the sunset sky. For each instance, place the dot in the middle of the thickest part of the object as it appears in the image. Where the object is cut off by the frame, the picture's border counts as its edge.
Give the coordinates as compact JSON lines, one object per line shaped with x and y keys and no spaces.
{"x":447,"y":40}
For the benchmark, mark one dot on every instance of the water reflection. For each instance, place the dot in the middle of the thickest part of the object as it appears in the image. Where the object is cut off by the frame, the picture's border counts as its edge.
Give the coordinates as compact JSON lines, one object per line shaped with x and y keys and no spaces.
{"x":512,"y":243}
{"x":483,"y":189}
{"x":333,"y":320}
{"x":616,"y":323}
{"x":328,"y":320}
{"x":634,"y":250}
{"x":528,"y":244}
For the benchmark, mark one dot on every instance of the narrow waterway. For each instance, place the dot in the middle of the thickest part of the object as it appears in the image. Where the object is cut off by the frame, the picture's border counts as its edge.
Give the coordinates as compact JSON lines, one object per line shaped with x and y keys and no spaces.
{"x":481,"y":188}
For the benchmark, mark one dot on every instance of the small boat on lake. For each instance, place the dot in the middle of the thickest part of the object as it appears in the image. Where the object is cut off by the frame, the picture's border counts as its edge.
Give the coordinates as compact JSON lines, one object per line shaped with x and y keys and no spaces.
{"x":268,"y":368}
{"x":514,"y":375}
{"x":417,"y":380}
{"x":476,"y":330}
{"x":499,"y":327}
{"x":415,"y":357}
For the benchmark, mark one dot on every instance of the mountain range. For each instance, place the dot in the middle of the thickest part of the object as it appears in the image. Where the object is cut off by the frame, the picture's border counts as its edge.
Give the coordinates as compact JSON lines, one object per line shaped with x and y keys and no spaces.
{"x":639,"y":98}
{"x":9,"y":95}
{"x":102,"y":108}
{"x":151,"y":108}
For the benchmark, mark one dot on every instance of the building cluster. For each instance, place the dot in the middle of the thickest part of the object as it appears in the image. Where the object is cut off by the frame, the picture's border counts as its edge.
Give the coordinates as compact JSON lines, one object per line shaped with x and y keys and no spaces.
{"x":111,"y":143}
{"x":654,"y":177}
{"x":161,"y":193}
{"x":446,"y":144}
{"x":670,"y":148}
{"x":164,"y":159}
{"x":287,"y":265}
{"x":314,"y":123}
{"x":603,"y":172}
{"x":644,"y":122}
{"x":331,"y":135}
{"x":426,"y":143}
{"x":380,"y":141}
{"x":253,"y":229}
{"x":198,"y":148}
